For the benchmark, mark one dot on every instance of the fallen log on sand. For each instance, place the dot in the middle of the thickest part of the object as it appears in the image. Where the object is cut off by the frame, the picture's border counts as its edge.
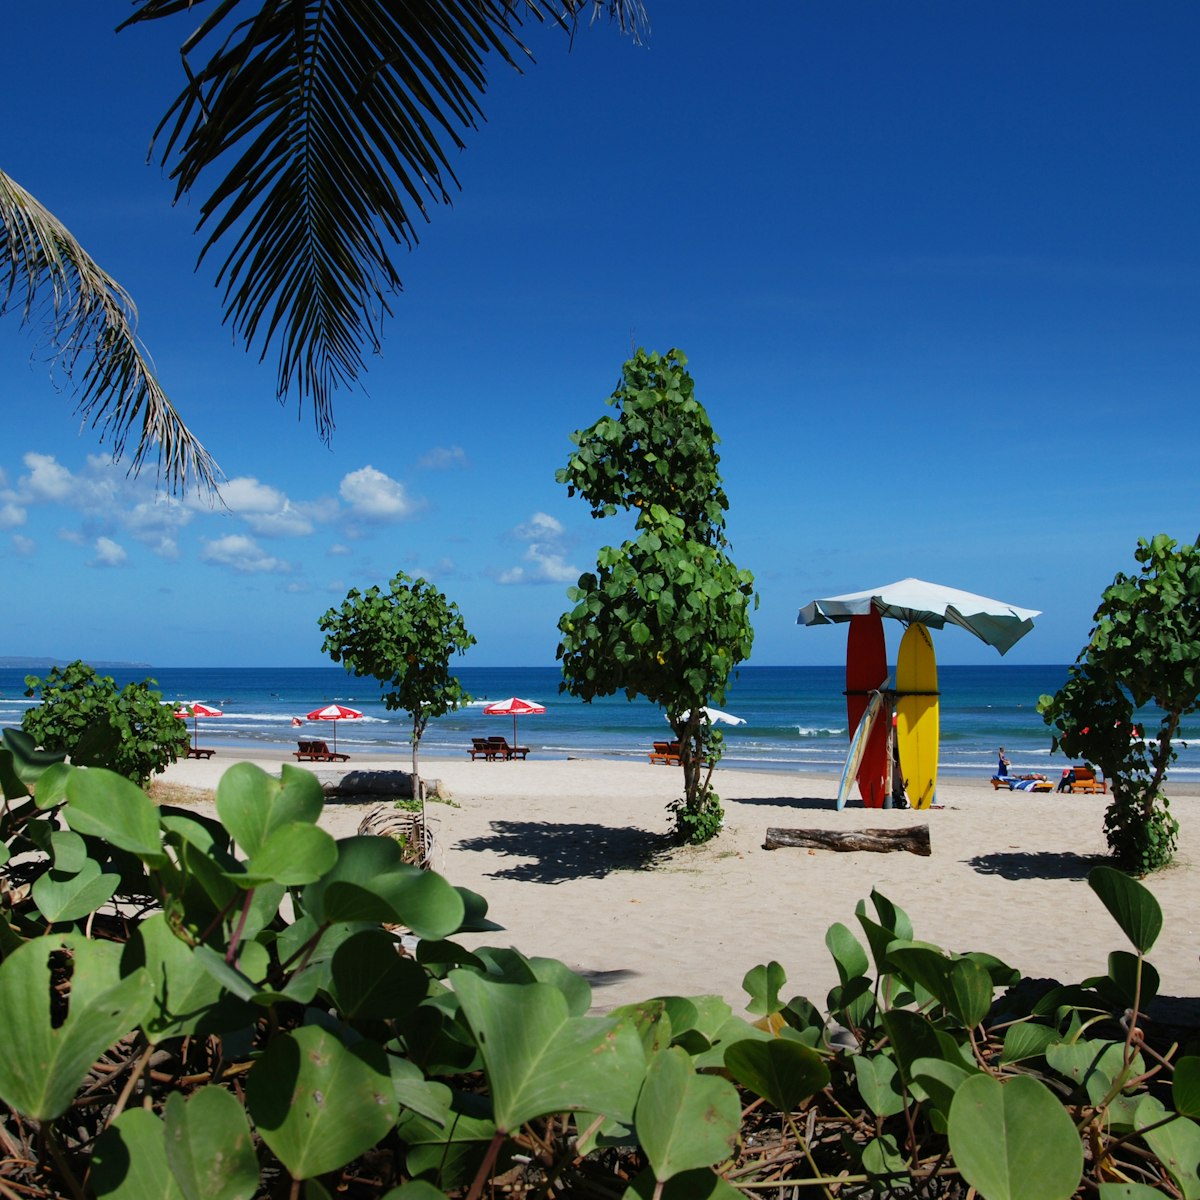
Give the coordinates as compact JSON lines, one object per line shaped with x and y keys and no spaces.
{"x":914,"y":839}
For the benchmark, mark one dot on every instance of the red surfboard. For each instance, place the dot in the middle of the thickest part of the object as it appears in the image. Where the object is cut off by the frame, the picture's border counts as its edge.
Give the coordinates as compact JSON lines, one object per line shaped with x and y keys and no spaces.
{"x":866,"y":671}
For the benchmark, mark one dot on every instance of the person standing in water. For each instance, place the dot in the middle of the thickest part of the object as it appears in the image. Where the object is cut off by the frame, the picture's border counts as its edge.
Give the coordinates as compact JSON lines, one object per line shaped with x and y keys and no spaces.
{"x":1002,"y":770}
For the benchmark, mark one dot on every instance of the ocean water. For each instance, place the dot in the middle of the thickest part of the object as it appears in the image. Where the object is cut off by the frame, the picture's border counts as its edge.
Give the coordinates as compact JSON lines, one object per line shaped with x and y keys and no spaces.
{"x":795,"y":716}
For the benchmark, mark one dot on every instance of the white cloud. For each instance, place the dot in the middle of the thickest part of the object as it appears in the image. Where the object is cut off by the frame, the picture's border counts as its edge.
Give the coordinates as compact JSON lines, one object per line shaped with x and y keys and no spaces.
{"x":443,"y":458}
{"x":11,"y":515}
{"x":338,"y":549}
{"x":545,"y":555}
{"x":153,"y":519}
{"x":23,"y":545}
{"x":48,"y":479}
{"x":297,"y":587}
{"x":166,"y":547}
{"x":540,"y":525}
{"x":242,"y":554}
{"x":246,"y":495}
{"x":109,"y":554}
{"x":376,"y":496}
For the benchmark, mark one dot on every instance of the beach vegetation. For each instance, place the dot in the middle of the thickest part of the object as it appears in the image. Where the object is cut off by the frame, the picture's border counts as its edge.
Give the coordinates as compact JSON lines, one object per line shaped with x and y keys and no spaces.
{"x":232,"y":1007}
{"x":405,"y":638}
{"x":84,"y":715}
{"x":318,"y":137}
{"x":666,"y":614}
{"x":1143,"y":649}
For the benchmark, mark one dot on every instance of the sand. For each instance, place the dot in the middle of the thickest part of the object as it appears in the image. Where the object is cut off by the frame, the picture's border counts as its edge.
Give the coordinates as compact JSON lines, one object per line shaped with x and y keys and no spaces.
{"x":570,"y":855}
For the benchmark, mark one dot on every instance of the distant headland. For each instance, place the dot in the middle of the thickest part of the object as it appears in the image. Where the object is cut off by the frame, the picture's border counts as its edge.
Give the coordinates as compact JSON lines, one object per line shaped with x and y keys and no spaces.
{"x":42,"y":664}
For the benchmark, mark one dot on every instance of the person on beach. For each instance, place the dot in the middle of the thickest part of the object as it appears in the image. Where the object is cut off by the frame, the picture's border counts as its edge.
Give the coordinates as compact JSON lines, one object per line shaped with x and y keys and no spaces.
{"x":1002,"y":770}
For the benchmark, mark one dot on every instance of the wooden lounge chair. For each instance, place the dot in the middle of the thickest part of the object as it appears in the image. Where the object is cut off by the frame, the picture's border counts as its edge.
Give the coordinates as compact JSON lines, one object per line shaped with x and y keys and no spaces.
{"x":1085,"y":781}
{"x":482,"y":748}
{"x":505,"y":751}
{"x":665,"y":752}
{"x":317,"y":751}
{"x":197,"y":752}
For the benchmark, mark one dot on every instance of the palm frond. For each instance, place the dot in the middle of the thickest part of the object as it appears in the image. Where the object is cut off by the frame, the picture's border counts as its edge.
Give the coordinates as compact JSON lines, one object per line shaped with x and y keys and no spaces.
{"x":331,"y":123}
{"x":90,"y":323}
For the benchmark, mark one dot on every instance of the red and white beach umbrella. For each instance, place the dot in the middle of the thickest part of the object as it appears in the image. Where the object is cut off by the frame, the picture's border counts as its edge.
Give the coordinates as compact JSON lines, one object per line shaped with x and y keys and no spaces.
{"x":515,"y":707}
{"x":195,"y":709}
{"x":335,"y":713}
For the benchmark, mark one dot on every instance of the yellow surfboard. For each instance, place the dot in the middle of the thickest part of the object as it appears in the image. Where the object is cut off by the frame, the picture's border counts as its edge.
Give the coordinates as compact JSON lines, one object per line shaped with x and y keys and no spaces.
{"x":917,"y":715}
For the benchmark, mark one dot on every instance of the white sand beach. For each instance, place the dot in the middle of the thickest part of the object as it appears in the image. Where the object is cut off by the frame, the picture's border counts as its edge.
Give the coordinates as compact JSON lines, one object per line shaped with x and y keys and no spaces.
{"x":569,"y":855}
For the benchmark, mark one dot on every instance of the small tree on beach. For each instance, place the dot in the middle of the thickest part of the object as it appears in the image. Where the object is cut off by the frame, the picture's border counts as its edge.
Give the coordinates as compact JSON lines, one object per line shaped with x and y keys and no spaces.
{"x":1144,"y":648}
{"x":86,"y":716}
{"x":667,"y":614}
{"x":405,"y":638}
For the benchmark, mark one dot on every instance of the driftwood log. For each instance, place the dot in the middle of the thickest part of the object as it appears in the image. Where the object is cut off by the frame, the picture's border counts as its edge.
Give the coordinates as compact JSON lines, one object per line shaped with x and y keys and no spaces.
{"x":914,"y":839}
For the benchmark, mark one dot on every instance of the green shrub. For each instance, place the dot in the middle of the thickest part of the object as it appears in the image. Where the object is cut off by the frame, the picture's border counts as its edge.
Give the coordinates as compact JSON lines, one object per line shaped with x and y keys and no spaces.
{"x":85,"y":716}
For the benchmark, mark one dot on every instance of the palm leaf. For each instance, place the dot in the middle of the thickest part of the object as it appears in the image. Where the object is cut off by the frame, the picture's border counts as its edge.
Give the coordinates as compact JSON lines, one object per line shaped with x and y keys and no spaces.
{"x":90,"y":321}
{"x":331,"y":123}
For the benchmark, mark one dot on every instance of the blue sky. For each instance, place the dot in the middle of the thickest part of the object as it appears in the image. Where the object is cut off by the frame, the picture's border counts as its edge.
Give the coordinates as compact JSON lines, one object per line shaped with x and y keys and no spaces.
{"x":934,"y":266}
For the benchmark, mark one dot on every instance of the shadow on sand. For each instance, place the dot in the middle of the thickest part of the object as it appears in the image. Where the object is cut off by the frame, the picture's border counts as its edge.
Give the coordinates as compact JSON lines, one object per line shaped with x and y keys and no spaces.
{"x":801,"y":802}
{"x":1036,"y":864}
{"x":563,"y":852}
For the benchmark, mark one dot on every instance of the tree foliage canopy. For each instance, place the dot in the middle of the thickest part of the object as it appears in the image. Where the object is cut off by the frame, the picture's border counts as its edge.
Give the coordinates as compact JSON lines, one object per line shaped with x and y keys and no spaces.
{"x":1144,"y":649}
{"x":404,"y":637}
{"x":665,"y":615}
{"x":86,"y":716}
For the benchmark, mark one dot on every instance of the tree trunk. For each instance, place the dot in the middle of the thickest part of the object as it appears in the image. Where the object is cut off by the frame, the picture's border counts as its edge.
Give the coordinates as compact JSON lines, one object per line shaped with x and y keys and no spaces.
{"x":914,"y":839}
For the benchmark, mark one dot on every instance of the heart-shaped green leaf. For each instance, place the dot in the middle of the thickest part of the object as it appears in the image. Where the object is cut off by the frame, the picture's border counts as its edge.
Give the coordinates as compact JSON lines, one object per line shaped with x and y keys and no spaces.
{"x":317,"y":1104}
{"x":28,"y":762}
{"x":1131,"y":905}
{"x":1014,"y":1140}
{"x":1176,"y":1145}
{"x":879,"y":1084}
{"x":369,"y":882}
{"x":71,"y":897}
{"x":129,"y":1161}
{"x":1025,"y":1040}
{"x":968,"y":991}
{"x":782,"y":1072}
{"x":293,"y":854}
{"x":848,"y":954}
{"x":253,"y":804}
{"x":188,"y":998}
{"x":369,"y":979}
{"x":685,"y":1121}
{"x":763,"y":984}
{"x":541,"y":1060}
{"x":702,"y":1184}
{"x":106,"y":805}
{"x":41,"y":1070}
{"x":209,"y":1146}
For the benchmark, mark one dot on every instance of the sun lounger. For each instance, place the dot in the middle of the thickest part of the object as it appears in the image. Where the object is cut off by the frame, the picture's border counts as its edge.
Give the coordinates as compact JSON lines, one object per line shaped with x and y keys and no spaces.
{"x":505,"y":751}
{"x":317,"y":751}
{"x":1022,"y":783}
{"x":665,"y":752}
{"x":482,"y":748}
{"x":197,"y":752}
{"x":1085,"y":781}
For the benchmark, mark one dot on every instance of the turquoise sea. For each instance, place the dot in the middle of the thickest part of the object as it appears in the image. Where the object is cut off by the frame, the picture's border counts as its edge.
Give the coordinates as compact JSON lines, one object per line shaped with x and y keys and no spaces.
{"x":795,"y":716}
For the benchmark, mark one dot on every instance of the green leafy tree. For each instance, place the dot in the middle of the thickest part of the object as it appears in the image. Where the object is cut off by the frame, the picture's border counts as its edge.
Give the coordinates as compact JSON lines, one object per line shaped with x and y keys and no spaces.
{"x":319,"y":136}
{"x":86,"y":716}
{"x":667,"y":614}
{"x":1144,"y":648}
{"x":404,"y":637}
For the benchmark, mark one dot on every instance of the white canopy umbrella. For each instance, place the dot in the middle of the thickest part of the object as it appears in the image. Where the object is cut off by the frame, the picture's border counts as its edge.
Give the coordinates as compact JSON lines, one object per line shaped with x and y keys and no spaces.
{"x":714,"y":716}
{"x":914,"y":600}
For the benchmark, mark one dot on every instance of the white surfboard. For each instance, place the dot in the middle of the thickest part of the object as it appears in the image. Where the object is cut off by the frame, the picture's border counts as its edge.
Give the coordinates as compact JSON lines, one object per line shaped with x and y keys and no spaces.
{"x":858,"y":744}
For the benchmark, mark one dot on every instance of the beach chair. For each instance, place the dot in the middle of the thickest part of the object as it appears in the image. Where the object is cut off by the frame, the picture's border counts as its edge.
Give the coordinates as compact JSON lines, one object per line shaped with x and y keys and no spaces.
{"x":1085,"y":781}
{"x":665,"y":752}
{"x":482,"y":748}
{"x":197,"y":752}
{"x":317,"y":751}
{"x":505,"y":751}
{"x":1022,"y":783}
